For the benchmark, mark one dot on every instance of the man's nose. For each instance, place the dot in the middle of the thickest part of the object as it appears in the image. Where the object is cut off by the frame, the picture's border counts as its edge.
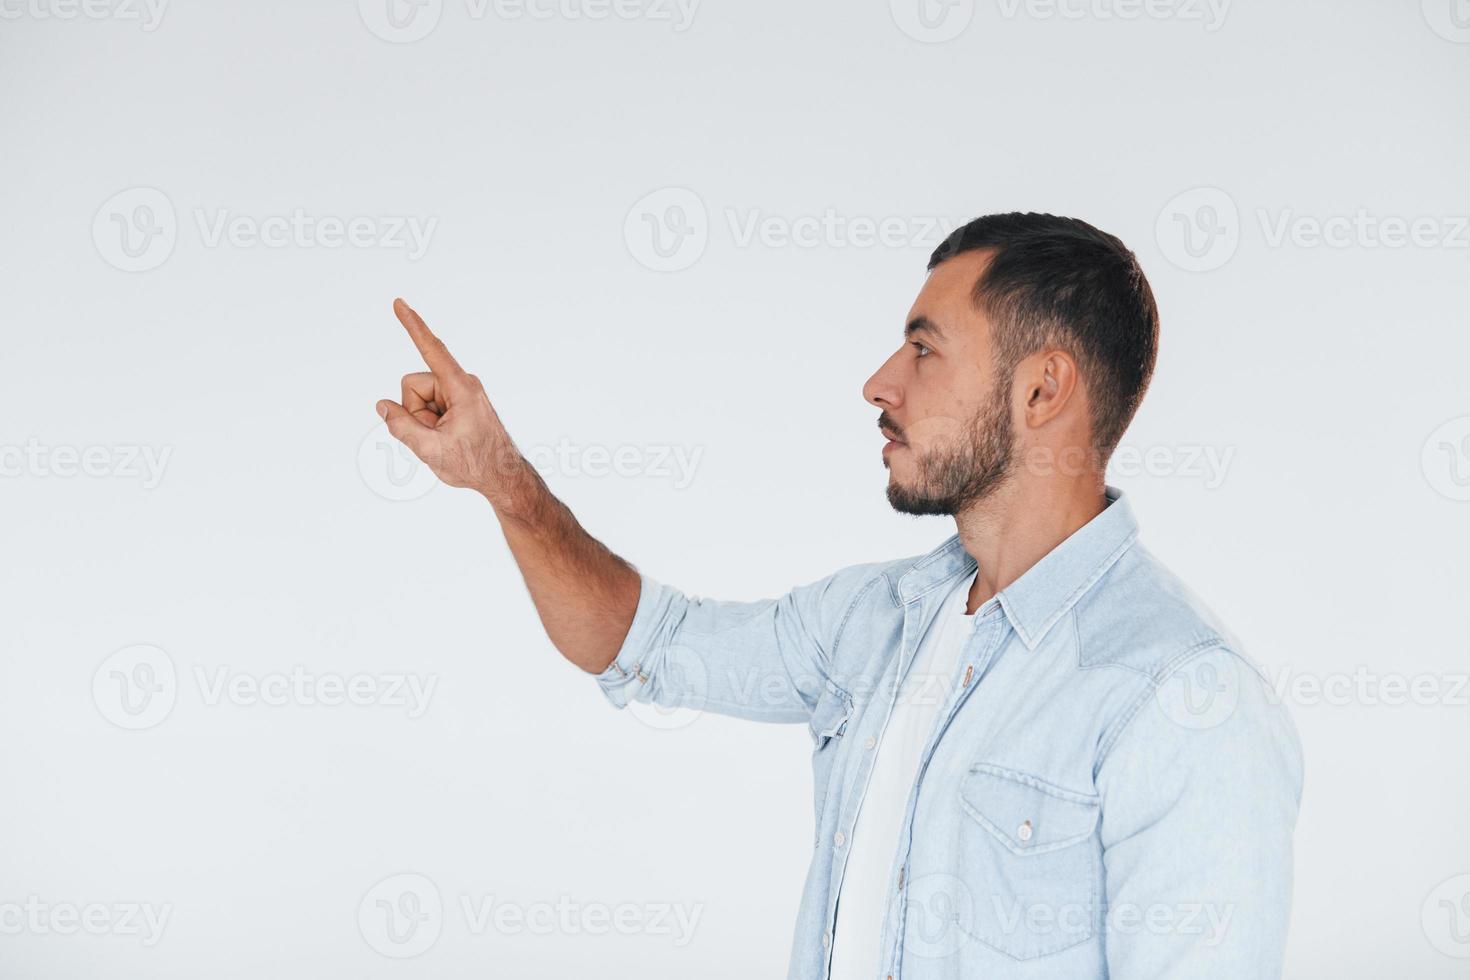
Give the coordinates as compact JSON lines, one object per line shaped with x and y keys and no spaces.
{"x":881,"y":390}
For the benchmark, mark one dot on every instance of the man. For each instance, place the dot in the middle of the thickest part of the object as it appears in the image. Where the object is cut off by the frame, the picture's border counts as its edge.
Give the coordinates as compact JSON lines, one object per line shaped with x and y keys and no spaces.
{"x":1035,"y":753}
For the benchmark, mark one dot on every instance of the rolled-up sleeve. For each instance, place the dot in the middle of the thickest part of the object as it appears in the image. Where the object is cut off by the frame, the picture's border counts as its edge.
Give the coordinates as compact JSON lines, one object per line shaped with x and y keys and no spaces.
{"x":624,"y":677}
{"x":1200,"y":797}
{"x":764,"y":660}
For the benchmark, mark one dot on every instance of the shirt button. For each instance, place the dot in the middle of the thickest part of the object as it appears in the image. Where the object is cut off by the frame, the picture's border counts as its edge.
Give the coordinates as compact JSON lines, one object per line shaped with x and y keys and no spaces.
{"x":1024,"y":831}
{"x":870,"y":743}
{"x":839,"y":838}
{"x":826,"y":940}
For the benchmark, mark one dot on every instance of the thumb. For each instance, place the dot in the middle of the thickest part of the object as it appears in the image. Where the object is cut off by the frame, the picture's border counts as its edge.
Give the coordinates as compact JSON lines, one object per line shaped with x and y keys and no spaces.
{"x":408,"y":430}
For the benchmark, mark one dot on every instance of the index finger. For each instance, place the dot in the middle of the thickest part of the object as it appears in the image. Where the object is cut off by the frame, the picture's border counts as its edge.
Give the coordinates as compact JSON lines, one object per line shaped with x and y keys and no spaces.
{"x":435,"y":354}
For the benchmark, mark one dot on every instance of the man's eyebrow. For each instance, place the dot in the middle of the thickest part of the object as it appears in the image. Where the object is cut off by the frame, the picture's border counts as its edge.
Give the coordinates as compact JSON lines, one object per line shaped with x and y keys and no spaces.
{"x":925,"y":324}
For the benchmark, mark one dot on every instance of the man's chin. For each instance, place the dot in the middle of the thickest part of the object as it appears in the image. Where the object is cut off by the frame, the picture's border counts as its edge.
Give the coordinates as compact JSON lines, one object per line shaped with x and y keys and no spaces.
{"x":906,"y":500}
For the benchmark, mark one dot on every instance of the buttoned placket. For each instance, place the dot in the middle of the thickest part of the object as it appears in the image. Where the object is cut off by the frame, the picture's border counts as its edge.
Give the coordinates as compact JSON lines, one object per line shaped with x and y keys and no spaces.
{"x":849,"y":809}
{"x":988,"y":630}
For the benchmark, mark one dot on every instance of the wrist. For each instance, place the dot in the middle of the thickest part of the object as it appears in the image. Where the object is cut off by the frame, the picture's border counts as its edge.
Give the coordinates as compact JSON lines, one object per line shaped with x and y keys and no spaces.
{"x":511,"y":487}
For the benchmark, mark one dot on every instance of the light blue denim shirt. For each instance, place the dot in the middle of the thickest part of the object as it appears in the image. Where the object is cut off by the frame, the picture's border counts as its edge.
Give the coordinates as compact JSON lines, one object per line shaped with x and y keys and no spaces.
{"x":1110,"y":790}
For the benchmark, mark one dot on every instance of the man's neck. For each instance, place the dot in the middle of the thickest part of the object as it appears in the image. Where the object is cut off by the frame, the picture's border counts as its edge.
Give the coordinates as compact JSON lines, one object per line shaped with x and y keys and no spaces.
{"x":1019,"y":524}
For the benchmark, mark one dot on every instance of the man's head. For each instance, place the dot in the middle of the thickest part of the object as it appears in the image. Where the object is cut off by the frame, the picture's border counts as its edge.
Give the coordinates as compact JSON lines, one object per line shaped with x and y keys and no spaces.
{"x":1031,"y":343}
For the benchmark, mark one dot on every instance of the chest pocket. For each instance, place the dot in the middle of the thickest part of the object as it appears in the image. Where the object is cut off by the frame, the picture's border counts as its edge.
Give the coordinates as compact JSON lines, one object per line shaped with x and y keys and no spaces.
{"x":1031,"y":860}
{"x":829,"y":721}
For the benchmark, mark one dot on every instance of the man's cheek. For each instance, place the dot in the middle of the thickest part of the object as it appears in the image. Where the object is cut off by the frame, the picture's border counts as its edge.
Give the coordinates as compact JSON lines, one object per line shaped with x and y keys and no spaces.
{"x":933,"y":431}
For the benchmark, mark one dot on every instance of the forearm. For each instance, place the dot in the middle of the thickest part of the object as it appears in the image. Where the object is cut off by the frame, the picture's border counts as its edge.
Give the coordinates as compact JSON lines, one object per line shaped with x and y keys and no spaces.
{"x":585,"y":595}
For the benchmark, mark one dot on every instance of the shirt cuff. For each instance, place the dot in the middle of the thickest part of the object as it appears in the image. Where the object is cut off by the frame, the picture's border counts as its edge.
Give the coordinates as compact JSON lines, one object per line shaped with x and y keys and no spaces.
{"x":630,"y":670}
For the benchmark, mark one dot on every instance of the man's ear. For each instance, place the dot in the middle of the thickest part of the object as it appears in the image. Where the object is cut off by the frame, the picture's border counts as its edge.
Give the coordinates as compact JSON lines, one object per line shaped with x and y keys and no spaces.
{"x":1050,"y":383}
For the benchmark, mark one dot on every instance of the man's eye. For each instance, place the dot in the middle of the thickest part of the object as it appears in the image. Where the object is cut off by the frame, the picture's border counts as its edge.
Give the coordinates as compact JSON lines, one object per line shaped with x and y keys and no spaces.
{"x":920,"y":348}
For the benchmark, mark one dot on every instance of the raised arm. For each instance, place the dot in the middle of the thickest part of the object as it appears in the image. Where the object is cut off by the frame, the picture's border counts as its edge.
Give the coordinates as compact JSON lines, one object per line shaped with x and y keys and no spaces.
{"x":585,"y":595}
{"x":766,"y":660}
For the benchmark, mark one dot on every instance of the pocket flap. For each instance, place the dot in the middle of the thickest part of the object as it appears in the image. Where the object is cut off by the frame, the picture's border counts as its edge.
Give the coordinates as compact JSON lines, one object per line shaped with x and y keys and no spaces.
{"x":829,"y":715}
{"x":1027,"y":814}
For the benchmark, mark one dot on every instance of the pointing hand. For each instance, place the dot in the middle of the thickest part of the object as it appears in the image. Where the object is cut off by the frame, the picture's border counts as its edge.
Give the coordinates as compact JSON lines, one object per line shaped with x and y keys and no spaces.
{"x":445,"y":418}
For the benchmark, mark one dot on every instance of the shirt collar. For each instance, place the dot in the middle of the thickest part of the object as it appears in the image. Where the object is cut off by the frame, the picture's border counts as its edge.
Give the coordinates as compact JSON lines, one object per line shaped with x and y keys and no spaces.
{"x":1034,"y":602}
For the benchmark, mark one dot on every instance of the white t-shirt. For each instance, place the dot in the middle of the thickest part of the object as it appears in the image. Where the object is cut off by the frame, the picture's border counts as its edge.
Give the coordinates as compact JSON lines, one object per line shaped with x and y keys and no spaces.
{"x":925,"y":693}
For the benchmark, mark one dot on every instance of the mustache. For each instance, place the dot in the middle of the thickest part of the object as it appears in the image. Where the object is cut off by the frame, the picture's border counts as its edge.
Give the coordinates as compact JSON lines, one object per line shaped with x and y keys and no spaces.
{"x":889,"y":428}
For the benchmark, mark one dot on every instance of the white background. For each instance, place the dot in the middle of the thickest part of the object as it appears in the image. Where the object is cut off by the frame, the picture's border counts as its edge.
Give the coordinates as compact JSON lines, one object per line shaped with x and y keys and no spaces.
{"x":1333,"y":540}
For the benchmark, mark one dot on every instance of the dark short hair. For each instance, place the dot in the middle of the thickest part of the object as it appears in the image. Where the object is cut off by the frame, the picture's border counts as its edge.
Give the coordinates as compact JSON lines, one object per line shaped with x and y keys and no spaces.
{"x":1062,"y":282}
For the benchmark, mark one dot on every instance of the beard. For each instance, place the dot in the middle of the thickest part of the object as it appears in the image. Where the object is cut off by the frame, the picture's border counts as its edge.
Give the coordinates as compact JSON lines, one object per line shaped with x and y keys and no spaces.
{"x":954,"y":477}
